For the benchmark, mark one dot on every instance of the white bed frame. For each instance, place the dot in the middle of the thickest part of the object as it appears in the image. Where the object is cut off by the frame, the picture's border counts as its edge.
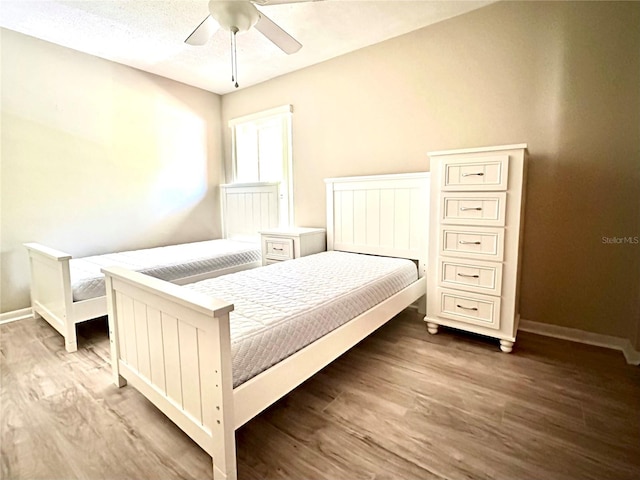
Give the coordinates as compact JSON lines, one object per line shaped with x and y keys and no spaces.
{"x":246,"y":209}
{"x":173,"y":344}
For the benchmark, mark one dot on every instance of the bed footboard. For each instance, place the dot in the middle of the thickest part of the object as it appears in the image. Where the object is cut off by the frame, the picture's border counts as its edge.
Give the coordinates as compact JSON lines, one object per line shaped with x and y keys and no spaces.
{"x":51,"y":296}
{"x":173,"y":345}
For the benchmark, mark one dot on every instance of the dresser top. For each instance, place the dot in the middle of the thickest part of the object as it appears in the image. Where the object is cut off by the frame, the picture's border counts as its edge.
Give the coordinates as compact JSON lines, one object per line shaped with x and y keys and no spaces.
{"x":296,"y":231}
{"x":517,"y":146}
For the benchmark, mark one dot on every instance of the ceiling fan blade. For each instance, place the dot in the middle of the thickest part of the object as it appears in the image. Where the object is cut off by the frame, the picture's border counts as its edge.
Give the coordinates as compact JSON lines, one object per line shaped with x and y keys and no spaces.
{"x":277,"y":35}
{"x":203,"y":32}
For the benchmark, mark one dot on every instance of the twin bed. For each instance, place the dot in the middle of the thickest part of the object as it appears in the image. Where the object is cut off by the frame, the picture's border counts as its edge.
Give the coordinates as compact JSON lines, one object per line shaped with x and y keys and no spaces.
{"x":213,"y":354}
{"x":66,"y":291}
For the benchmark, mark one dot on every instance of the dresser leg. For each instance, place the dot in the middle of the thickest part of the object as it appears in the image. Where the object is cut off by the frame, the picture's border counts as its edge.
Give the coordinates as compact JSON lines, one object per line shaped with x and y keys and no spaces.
{"x":432,"y":328}
{"x":506,"y":346}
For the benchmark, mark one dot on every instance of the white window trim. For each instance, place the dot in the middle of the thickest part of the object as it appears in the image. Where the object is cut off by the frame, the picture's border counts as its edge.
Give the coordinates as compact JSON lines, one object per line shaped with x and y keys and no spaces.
{"x":286,"y":214}
{"x":272,"y":112}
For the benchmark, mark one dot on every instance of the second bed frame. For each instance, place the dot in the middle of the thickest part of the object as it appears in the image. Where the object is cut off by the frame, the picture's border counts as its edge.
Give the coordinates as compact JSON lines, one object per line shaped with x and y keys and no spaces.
{"x":173,"y":344}
{"x":246,"y":208}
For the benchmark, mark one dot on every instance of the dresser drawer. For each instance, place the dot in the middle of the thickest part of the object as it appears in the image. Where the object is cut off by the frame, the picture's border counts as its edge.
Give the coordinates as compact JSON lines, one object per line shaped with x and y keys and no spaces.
{"x":470,"y":308}
{"x":478,"y":173}
{"x":475,"y":276}
{"x":473,"y":208}
{"x":472,"y":242}
{"x":278,"y":248}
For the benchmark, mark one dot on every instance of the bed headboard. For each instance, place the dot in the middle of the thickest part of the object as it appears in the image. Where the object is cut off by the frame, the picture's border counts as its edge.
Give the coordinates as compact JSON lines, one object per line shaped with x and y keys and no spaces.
{"x":380,"y":215}
{"x":248,"y":208}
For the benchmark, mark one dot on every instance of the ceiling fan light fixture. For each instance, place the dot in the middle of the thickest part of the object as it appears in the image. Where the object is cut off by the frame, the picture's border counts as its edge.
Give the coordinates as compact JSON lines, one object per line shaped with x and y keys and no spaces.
{"x":234,"y":15}
{"x":239,"y":16}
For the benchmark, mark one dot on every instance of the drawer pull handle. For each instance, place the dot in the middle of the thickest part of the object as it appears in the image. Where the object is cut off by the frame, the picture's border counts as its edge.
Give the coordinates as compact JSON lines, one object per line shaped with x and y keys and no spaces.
{"x":278,"y":249}
{"x":464,"y":242}
{"x":469,"y":276}
{"x":464,"y":209}
{"x":475,"y":309}
{"x":479,"y":174}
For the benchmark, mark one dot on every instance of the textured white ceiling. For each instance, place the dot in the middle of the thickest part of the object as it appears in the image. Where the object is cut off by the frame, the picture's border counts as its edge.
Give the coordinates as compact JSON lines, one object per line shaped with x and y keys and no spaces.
{"x":150,"y":34}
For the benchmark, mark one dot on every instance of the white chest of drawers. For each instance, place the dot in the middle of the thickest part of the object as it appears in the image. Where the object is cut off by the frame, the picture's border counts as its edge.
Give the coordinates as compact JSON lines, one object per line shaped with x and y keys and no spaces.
{"x":477,"y":207}
{"x":281,"y":244}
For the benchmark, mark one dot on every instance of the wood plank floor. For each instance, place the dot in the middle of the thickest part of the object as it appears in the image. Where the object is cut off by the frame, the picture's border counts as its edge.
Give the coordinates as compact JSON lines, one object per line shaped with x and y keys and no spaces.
{"x":401,"y":405}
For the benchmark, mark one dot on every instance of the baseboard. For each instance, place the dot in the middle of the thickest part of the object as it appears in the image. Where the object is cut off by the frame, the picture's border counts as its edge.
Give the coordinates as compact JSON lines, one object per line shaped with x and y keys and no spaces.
{"x":16,"y":315}
{"x":631,"y":354}
{"x":617,"y":343}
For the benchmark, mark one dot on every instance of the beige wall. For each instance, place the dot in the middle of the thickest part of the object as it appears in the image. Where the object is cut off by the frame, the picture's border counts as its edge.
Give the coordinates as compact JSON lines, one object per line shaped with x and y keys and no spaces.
{"x":99,"y":157}
{"x":560,"y":76}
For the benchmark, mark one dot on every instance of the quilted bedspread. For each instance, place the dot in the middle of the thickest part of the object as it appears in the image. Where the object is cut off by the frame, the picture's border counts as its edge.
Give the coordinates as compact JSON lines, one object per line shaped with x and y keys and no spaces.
{"x":169,"y":263}
{"x":281,"y":308}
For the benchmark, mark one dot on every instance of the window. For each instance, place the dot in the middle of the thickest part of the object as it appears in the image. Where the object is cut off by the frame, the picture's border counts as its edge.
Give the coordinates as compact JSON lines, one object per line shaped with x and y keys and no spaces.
{"x":261,"y":152}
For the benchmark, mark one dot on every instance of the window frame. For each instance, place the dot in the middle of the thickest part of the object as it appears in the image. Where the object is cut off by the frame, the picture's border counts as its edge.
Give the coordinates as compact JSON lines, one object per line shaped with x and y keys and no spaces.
{"x":285,"y":114}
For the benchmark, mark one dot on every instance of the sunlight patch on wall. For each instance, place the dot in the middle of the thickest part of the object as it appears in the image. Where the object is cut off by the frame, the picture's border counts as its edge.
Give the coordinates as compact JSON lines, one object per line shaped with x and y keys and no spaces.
{"x":182,"y":158}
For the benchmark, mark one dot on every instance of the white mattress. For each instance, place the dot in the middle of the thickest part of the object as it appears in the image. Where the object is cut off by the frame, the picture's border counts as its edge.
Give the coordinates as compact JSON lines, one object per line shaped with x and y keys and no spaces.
{"x":170,"y":263}
{"x":281,"y":308}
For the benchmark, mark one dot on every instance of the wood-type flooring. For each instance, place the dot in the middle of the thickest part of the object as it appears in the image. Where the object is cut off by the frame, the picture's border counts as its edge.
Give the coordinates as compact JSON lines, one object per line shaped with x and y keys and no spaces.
{"x":401,"y":405}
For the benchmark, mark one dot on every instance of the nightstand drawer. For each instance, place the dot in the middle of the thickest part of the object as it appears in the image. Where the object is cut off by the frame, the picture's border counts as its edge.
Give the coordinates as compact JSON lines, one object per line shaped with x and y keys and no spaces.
{"x":473,"y":242}
{"x":480,"y":277}
{"x":480,"y":173}
{"x":473,"y":208}
{"x":288,"y":243}
{"x":278,"y":248}
{"x":470,"y":308}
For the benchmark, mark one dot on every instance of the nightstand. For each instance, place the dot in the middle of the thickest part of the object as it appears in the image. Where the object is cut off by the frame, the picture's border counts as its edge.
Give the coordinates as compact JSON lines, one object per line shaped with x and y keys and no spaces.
{"x":280,"y":244}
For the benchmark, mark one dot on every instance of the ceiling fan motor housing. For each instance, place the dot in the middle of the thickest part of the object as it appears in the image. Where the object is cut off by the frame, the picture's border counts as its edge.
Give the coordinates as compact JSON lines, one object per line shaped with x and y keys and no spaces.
{"x":234,"y":15}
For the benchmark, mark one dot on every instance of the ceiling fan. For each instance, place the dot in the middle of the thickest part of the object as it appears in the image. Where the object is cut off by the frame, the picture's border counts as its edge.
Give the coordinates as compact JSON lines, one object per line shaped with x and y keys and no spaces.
{"x":237,"y":16}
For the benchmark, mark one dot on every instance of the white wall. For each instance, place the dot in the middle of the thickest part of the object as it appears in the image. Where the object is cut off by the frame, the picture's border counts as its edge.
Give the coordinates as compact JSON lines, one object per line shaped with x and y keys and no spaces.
{"x":98,"y":157}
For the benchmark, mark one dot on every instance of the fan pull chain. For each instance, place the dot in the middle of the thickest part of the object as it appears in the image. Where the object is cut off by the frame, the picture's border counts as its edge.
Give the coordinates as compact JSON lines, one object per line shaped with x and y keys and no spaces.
{"x":234,"y":58}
